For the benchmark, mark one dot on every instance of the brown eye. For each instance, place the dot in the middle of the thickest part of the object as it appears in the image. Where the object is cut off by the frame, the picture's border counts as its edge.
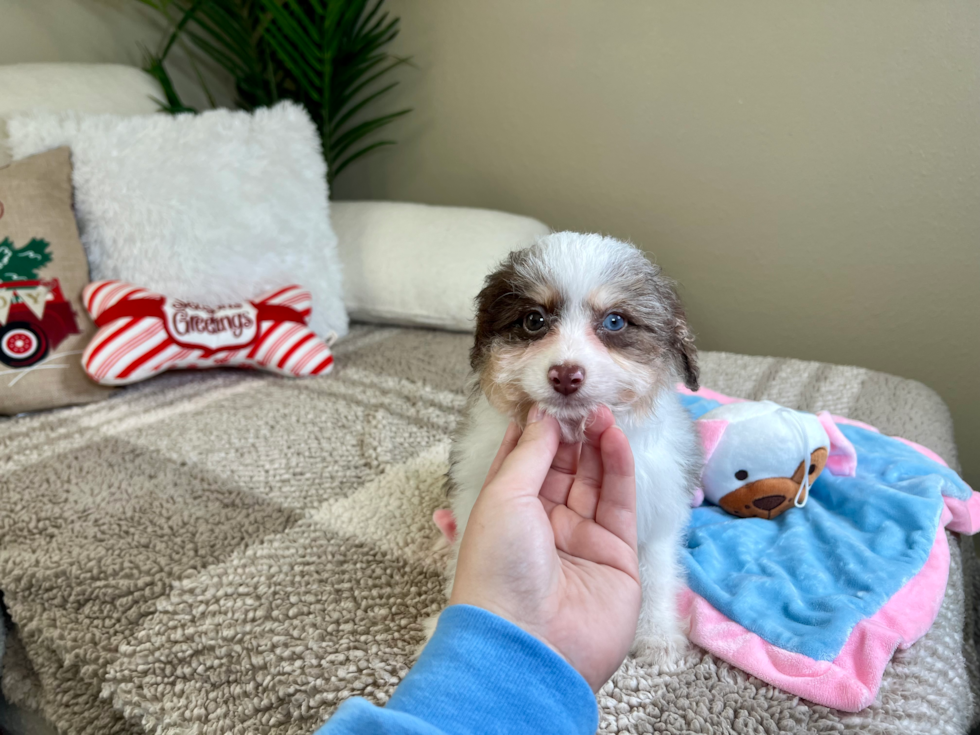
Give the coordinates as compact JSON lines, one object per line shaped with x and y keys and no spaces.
{"x":534,"y":321}
{"x":741,"y":475}
{"x":813,"y":468}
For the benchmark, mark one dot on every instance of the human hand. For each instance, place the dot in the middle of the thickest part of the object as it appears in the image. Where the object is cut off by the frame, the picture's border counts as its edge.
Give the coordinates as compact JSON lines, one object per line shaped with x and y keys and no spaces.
{"x":551,"y":543}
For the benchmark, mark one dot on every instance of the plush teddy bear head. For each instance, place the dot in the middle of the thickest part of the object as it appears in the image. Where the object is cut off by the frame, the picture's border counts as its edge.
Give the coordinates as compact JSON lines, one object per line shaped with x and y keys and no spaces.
{"x":761,"y":458}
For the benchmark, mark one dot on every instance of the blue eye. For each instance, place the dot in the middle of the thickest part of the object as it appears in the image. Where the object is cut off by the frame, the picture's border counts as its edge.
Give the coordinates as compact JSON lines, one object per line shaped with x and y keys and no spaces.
{"x":613,"y":322}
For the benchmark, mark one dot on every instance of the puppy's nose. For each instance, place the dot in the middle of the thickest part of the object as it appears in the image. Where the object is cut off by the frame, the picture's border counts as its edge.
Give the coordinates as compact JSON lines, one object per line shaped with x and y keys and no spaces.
{"x":565,"y":378}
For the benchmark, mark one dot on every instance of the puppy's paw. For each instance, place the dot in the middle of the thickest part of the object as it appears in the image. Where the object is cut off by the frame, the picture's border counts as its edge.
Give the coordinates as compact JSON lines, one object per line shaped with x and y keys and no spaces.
{"x":665,"y":653}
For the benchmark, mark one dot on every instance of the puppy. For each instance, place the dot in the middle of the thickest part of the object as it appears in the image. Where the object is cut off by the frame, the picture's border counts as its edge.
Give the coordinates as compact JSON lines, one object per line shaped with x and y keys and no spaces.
{"x":570,"y":323}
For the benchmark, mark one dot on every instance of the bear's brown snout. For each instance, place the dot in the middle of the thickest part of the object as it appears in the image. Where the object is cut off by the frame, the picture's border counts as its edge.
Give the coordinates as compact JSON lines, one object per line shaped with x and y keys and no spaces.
{"x":765,"y":498}
{"x":769,"y":502}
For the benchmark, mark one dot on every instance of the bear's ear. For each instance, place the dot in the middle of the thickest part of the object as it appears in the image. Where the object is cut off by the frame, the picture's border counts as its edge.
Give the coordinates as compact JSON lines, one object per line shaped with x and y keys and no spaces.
{"x":711,"y":433}
{"x":842,"y":460}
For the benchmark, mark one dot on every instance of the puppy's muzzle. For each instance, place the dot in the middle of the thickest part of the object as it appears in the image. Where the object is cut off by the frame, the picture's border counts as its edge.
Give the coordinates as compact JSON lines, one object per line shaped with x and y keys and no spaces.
{"x":565,"y":378}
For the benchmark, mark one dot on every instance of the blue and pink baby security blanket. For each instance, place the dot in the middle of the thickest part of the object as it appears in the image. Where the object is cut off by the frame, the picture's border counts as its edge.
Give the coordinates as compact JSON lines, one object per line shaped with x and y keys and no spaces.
{"x":816,"y":601}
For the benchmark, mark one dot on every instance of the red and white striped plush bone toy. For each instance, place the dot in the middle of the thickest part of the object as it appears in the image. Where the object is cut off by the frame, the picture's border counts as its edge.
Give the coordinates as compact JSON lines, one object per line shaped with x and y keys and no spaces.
{"x":142,"y":334}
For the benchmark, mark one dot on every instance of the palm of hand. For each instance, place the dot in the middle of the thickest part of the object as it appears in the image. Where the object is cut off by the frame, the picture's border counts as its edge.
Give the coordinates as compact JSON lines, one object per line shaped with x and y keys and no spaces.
{"x":553,"y":548}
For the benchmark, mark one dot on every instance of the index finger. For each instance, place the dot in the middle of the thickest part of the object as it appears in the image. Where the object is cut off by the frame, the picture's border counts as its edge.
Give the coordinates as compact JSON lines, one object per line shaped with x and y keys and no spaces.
{"x":523,"y":471}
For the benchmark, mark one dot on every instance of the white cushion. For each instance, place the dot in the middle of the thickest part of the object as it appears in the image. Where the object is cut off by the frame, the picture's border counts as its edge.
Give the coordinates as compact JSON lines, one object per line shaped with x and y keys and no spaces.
{"x":421,"y":265}
{"x":96,"y":88}
{"x":217,"y":207}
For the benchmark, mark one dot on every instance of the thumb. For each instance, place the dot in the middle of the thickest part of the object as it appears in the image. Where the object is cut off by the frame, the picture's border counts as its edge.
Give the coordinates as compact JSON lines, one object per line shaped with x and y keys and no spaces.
{"x":525,"y":469}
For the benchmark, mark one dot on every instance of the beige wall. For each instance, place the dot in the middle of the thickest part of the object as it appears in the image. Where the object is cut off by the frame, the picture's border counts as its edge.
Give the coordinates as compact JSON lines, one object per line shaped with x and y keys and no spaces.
{"x":807,"y":170}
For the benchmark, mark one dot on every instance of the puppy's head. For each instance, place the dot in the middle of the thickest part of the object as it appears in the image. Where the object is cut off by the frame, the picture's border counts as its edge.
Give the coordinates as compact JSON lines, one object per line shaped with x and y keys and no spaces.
{"x":576,"y":321}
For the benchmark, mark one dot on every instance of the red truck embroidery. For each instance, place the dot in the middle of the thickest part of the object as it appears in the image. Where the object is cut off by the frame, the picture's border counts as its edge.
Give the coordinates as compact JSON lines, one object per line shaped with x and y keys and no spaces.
{"x":35,"y":318}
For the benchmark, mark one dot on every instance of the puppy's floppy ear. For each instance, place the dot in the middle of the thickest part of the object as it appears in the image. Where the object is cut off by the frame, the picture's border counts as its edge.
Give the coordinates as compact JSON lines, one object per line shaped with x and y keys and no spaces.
{"x":665,"y":311}
{"x":495,"y":286}
{"x":683,"y":346}
{"x":498,"y":304}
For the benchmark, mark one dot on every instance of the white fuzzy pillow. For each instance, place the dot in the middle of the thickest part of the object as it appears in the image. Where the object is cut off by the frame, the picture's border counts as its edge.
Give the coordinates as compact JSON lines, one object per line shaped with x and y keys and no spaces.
{"x":216,"y":207}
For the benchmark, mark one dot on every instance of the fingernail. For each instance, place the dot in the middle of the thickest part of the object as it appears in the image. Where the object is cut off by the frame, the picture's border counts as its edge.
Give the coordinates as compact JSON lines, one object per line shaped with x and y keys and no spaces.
{"x":535,"y":414}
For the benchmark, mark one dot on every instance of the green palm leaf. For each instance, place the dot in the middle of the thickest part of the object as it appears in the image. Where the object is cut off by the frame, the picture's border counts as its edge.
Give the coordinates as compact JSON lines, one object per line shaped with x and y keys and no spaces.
{"x":328,"y":55}
{"x":366,"y":149}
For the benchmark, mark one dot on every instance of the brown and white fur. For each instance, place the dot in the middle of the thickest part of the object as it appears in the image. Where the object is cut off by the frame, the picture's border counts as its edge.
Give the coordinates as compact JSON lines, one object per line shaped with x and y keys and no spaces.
{"x":569,"y":363}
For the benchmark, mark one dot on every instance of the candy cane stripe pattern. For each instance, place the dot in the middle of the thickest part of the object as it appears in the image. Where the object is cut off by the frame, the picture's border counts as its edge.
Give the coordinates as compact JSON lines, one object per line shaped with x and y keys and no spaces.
{"x":142,"y":334}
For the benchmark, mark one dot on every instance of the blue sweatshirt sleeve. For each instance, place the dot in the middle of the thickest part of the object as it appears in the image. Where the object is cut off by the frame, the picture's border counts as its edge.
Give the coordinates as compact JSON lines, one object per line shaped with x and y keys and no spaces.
{"x":479,"y":674}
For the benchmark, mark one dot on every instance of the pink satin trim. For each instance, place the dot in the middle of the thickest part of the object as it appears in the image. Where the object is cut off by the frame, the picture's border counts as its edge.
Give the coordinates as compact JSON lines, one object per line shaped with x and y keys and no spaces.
{"x":853,"y":422}
{"x":966,"y":514}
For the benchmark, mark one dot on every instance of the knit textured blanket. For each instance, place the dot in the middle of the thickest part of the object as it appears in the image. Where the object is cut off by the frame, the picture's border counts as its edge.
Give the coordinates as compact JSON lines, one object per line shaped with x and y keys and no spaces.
{"x":231,"y":552}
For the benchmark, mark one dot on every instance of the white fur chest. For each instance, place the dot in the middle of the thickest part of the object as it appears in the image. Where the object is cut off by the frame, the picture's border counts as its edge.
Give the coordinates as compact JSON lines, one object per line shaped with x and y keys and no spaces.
{"x":667,"y":457}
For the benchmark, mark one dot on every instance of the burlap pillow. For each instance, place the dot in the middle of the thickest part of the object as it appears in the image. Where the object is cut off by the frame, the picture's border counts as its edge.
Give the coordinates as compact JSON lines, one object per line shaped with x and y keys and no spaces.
{"x":43,"y":327}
